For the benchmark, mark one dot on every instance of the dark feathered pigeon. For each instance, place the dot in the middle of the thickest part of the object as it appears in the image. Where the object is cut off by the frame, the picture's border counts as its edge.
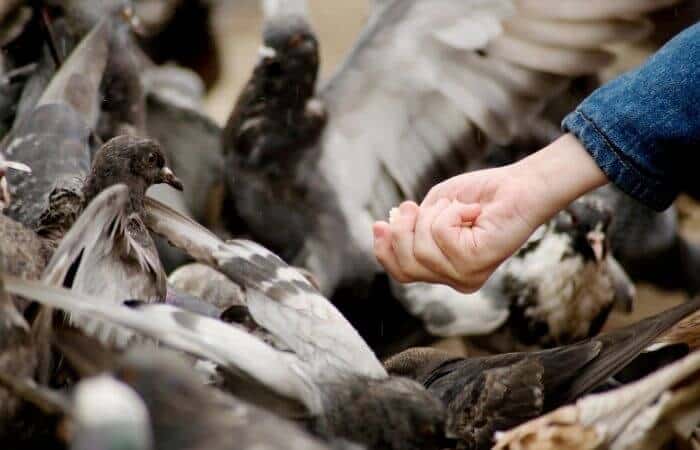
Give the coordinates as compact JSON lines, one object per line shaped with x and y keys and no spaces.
{"x":660,"y":411}
{"x":427,"y":86}
{"x":494,"y":393}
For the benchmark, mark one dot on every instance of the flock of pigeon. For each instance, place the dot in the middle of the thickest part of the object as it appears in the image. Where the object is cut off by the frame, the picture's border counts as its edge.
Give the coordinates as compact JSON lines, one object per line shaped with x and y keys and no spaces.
{"x":169,"y":284}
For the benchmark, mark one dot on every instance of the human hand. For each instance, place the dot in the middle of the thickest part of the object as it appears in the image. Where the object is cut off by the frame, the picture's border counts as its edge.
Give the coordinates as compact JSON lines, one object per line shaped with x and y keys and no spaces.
{"x":469,"y":224}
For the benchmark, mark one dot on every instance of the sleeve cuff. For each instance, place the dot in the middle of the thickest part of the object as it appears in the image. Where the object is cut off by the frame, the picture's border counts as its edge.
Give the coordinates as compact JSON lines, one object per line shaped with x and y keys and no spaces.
{"x":618,"y":167}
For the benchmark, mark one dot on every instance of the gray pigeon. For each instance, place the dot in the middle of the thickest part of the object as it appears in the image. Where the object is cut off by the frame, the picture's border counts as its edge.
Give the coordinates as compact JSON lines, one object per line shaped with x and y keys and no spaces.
{"x":428,"y":85}
{"x":557,"y":289}
{"x":330,"y":377}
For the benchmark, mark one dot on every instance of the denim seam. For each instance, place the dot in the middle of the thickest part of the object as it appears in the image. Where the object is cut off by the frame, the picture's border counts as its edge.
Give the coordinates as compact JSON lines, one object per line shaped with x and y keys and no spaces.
{"x":626,"y":176}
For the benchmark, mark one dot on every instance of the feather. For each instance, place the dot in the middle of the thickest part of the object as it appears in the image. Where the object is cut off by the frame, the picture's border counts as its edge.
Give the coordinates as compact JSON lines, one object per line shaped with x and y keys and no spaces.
{"x":201,"y":336}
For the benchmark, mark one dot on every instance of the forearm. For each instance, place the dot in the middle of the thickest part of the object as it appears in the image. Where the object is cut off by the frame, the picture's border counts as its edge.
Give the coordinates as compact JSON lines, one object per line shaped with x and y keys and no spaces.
{"x":559,"y":173}
{"x":643,"y":128}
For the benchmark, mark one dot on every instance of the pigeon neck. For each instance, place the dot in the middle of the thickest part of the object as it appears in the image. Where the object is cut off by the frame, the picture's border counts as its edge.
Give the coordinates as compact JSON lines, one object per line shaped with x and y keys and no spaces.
{"x":137,"y":191}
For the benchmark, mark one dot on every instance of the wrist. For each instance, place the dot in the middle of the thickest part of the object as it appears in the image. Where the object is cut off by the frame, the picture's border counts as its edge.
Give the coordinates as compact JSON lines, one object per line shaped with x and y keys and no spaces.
{"x":559,"y":173}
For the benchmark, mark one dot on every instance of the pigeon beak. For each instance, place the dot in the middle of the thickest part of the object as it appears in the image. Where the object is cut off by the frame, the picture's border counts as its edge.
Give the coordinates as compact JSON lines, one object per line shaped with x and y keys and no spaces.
{"x":266,"y":52}
{"x":596,"y":239}
{"x":168,"y":177}
{"x":134,"y":22}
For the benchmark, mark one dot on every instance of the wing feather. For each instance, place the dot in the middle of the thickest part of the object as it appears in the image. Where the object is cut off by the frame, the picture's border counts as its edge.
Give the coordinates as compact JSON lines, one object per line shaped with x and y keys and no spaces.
{"x":426,"y":74}
{"x":201,"y":336}
{"x":280,"y":298}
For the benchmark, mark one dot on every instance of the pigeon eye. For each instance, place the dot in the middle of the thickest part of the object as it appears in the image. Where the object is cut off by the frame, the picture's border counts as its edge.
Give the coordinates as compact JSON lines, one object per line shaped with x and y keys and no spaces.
{"x":296,"y":40}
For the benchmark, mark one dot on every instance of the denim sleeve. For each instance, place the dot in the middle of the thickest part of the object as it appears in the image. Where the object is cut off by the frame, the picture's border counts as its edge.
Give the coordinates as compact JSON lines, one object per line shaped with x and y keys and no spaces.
{"x":643,"y":128}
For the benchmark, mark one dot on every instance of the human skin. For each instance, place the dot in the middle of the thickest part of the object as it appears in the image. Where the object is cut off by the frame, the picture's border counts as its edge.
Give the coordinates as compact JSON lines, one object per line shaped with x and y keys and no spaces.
{"x":469,"y":224}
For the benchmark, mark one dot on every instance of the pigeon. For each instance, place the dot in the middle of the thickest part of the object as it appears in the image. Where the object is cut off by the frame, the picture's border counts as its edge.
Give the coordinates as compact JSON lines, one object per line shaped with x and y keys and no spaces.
{"x":148,"y":399}
{"x":649,"y":244}
{"x":181,"y":32}
{"x":649,"y":414}
{"x":54,"y":140}
{"x":427,"y":86}
{"x":330,"y":377}
{"x":494,"y":393}
{"x":558,"y":288}
{"x":65,"y":24}
{"x":116,"y":258}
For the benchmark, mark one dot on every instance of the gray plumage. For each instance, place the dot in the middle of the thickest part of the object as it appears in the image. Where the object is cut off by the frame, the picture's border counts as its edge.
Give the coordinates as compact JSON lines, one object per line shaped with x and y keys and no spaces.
{"x":330,"y":376}
{"x":109,"y":248}
{"x":54,"y":140}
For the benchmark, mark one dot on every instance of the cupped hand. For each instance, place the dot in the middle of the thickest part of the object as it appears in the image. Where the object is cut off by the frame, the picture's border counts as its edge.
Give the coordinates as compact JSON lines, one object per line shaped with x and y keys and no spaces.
{"x":468,"y":225}
{"x":463,"y":230}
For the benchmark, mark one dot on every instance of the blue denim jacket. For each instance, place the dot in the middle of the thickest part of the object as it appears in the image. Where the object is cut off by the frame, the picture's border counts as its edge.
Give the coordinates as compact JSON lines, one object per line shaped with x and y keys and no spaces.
{"x":643,"y":128}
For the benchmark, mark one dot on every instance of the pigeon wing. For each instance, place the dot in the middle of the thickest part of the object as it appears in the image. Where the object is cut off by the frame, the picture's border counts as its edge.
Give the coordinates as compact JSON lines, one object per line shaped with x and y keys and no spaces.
{"x":232,"y":349}
{"x":279,"y":297}
{"x":496,"y":400}
{"x":429,"y":82}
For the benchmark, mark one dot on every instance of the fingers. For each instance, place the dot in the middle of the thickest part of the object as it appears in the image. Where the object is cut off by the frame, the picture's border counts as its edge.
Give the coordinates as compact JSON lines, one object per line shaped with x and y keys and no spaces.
{"x":432,"y":244}
{"x":453,"y":233}
{"x":384,"y":252}
{"x":425,"y":249}
{"x":403,"y":237}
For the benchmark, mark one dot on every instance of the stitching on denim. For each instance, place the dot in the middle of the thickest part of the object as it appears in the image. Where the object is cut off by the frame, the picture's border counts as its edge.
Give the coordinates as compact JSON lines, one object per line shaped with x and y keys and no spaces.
{"x":625,"y":160}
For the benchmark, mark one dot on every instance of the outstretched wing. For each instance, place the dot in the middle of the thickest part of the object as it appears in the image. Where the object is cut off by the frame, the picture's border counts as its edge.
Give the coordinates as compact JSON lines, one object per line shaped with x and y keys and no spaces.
{"x":210,"y":339}
{"x":279,"y":297}
{"x":92,"y":232}
{"x":431,"y":81}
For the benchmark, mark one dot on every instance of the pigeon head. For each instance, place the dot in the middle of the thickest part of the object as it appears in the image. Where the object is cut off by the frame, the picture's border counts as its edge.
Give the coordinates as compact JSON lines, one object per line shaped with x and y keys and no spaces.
{"x":289,"y":55}
{"x":109,"y":415}
{"x":587,"y":221}
{"x":139,"y":163}
{"x":417,"y":363}
{"x":392,"y":413}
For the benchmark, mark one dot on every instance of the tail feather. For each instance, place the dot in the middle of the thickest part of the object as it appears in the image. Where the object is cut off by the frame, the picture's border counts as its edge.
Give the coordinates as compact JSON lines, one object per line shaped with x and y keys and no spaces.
{"x":623,"y":345}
